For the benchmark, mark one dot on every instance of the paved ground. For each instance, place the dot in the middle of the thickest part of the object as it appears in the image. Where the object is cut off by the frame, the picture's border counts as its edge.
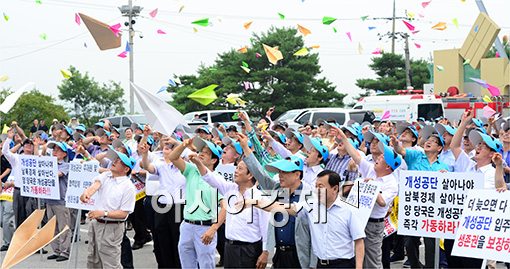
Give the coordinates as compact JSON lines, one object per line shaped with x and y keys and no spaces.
{"x":143,"y":258}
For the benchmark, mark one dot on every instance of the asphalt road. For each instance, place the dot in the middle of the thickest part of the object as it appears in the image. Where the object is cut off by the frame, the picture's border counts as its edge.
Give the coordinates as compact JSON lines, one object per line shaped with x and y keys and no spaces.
{"x":143,"y":258}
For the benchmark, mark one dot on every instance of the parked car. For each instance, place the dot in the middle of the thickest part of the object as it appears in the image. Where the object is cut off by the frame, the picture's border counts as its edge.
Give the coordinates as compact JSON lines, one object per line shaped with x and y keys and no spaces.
{"x":290,"y":116}
{"x":340,"y":115}
{"x":210,"y":117}
{"x":124,"y":121}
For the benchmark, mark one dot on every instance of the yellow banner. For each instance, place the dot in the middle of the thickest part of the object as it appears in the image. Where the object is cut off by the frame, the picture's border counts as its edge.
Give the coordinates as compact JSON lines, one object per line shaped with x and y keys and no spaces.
{"x":6,"y":194}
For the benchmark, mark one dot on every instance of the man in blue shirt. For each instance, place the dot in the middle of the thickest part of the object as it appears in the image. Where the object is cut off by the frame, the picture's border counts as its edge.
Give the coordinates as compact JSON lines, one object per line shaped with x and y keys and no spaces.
{"x":426,"y":160}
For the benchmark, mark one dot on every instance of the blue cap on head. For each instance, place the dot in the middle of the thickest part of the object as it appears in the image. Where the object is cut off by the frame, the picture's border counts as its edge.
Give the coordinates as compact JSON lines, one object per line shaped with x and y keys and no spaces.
{"x":479,"y":124}
{"x":421,"y":119}
{"x":316,"y":143}
{"x":201,"y":143}
{"x":99,"y":124}
{"x":393,"y":159}
{"x":370,"y":135}
{"x":203,"y":129}
{"x":217,"y":133}
{"x":442,"y":128}
{"x":402,"y":127}
{"x":289,"y":133}
{"x":378,"y":119}
{"x":81,"y":127}
{"x":428,"y":131}
{"x":227,"y":141}
{"x":64,"y":147}
{"x":280,"y":136}
{"x":117,"y":143}
{"x":286,"y":165}
{"x":126,"y":160}
{"x":68,"y":130}
{"x":477,"y":137}
{"x":354,"y":131}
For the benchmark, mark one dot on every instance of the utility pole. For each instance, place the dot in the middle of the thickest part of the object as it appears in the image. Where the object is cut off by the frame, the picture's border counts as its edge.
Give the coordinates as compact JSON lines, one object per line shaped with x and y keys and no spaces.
{"x":393,"y":30}
{"x":131,"y":12}
{"x":407,"y":61}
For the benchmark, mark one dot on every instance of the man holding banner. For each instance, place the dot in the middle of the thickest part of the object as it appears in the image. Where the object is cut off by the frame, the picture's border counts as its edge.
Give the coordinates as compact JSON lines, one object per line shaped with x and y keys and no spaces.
{"x":487,"y":151}
{"x":426,"y":160}
{"x":6,"y":212}
{"x":60,"y":246}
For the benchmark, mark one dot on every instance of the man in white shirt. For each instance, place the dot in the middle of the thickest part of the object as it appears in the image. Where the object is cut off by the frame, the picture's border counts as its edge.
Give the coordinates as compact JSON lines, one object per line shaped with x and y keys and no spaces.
{"x":246,"y":230}
{"x":380,"y":171}
{"x":116,"y":200}
{"x":487,"y":149}
{"x":338,"y":241}
{"x":166,"y":223}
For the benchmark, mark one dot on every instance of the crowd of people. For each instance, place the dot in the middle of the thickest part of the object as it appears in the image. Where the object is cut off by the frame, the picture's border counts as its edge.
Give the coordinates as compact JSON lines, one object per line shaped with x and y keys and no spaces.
{"x":236,"y":189}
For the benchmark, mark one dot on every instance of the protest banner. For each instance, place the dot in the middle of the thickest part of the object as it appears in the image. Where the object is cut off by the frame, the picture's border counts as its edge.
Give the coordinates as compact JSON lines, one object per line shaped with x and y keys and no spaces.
{"x":227,"y":171}
{"x":431,"y":203}
{"x":391,"y":221}
{"x":484,"y":232}
{"x":362,"y":198}
{"x":81,"y":176}
{"x":139,"y":186}
{"x":39,"y":177}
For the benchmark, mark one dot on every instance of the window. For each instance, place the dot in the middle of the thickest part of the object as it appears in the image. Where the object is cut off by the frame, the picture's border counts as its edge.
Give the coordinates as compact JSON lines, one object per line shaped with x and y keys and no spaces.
{"x":430,"y":111}
{"x":115,"y":121}
{"x":126,"y":122}
{"x":289,"y":115}
{"x":304,"y":119}
{"x":362,"y":116}
{"x":339,"y":117}
{"x":222,"y":116}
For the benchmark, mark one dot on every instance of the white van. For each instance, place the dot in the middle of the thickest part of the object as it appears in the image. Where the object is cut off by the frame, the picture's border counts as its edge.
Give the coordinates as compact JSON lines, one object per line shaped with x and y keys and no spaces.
{"x":209,"y":117}
{"x":403,"y":107}
{"x":340,"y":115}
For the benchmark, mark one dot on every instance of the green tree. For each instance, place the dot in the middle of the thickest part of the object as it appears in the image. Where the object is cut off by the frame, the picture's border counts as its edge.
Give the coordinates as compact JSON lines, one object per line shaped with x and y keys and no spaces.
{"x":32,"y":105}
{"x":293,"y":82}
{"x":390,"y":71}
{"x":88,"y":99}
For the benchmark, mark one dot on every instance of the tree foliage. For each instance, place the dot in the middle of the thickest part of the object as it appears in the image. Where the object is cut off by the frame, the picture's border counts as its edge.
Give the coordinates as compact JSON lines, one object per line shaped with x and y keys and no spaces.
{"x":32,"y":105}
{"x":88,"y":99}
{"x":293,"y":82}
{"x":391,"y":75}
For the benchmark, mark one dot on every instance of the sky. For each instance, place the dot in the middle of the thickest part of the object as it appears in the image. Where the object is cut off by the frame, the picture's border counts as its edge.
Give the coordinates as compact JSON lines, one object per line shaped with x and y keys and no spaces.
{"x":26,"y":57}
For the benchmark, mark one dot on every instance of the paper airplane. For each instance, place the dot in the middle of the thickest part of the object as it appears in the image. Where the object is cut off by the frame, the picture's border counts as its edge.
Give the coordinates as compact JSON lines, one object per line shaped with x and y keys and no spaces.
{"x":243,"y":49}
{"x":409,"y":26}
{"x":328,"y":20}
{"x":245,"y":69}
{"x":205,"y":95}
{"x":440,"y":26}
{"x":425,"y":4}
{"x":77,"y":18}
{"x":161,"y":32}
{"x":303,"y":30}
{"x":161,"y":116}
{"x":28,"y":239}
{"x":235,"y":99}
{"x":10,"y":100}
{"x":4,"y":78}
{"x":247,"y":25}
{"x":202,"y":22}
{"x":273,"y":54}
{"x":104,"y":37}
{"x":153,"y":13}
{"x":66,"y":74}
{"x":301,"y":52}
